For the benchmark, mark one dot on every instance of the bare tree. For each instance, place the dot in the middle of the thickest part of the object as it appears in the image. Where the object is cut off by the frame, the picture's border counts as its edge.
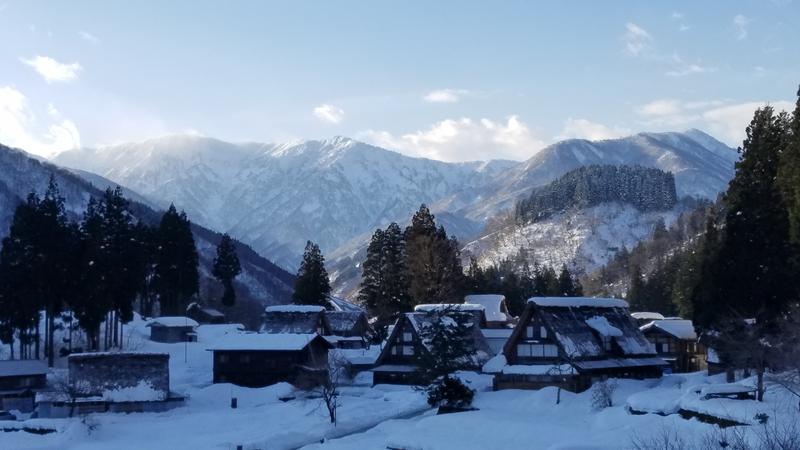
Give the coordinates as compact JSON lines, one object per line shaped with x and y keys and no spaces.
{"x":329,"y":390}
{"x":603,"y":394}
{"x":564,"y":366}
{"x":69,"y":391}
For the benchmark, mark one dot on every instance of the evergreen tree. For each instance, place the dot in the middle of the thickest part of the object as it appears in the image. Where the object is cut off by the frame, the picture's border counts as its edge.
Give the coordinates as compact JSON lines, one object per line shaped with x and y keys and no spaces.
{"x":635,"y":295}
{"x":433,"y":261}
{"x":567,"y":286}
{"x":789,"y":173}
{"x":312,"y":286}
{"x":755,"y":248}
{"x":226,"y":268}
{"x":176,"y":277}
{"x":373,"y":285}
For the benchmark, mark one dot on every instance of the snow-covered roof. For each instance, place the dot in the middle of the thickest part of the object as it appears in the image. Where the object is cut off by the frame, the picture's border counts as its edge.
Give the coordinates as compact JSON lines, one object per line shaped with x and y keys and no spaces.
{"x":497,"y":333}
{"x":340,"y":304}
{"x":644,"y":315}
{"x":436,"y":307}
{"x":492,"y":305}
{"x":612,"y":363}
{"x":294,"y":308}
{"x":538,"y":369}
{"x":22,"y":367}
{"x":681,"y":329}
{"x":601,"y":325}
{"x":344,"y":322}
{"x":172,"y":321}
{"x":263,"y":341}
{"x":578,"y":302}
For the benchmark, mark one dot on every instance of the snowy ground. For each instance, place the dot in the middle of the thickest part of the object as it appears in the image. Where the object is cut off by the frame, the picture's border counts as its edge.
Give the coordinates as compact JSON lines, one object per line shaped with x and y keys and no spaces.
{"x":393,"y":416}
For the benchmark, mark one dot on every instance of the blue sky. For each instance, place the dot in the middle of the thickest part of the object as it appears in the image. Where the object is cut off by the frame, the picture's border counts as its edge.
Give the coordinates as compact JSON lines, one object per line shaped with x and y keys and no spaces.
{"x":447,"y":80}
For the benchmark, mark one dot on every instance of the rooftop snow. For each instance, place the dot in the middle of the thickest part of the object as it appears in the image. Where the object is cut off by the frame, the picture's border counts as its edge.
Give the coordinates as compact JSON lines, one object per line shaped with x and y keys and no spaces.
{"x":263,"y":341}
{"x":601,"y":325}
{"x":681,"y":329}
{"x":173,"y":321}
{"x":436,"y":307}
{"x":295,"y":308}
{"x":22,"y":367}
{"x":644,"y":315}
{"x":492,"y":304}
{"x":578,"y":302}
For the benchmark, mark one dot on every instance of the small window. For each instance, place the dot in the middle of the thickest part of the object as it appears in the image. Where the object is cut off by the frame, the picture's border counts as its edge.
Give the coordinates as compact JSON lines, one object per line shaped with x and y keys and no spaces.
{"x":550,"y":351}
{"x":408,"y":350}
{"x":523,"y":350}
{"x":529,"y":331}
{"x":407,"y":337}
{"x":664,"y":348}
{"x":606,"y":343}
{"x":543,"y":332}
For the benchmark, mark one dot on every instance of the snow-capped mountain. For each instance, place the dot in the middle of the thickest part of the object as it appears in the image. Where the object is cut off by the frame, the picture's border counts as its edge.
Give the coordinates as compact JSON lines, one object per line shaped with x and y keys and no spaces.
{"x":20,"y":173}
{"x":276,"y":196}
{"x":701,"y":164}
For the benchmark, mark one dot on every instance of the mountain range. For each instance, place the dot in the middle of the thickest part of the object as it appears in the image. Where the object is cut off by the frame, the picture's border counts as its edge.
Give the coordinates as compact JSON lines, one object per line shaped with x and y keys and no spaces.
{"x":335,"y":192}
{"x":20,"y":174}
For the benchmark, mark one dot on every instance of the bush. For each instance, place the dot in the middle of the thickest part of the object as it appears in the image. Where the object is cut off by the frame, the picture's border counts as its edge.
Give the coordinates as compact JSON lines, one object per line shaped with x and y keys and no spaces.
{"x":602,"y":394}
{"x":451,"y":392}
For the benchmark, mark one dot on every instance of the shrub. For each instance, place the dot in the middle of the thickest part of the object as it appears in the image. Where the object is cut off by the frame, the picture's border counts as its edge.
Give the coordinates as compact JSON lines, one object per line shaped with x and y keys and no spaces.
{"x":448,"y":391}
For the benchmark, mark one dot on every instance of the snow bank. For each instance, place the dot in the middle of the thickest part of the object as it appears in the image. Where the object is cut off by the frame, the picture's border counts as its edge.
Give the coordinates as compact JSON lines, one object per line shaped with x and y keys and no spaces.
{"x":142,"y":392}
{"x":495,"y":364}
{"x":578,"y":302}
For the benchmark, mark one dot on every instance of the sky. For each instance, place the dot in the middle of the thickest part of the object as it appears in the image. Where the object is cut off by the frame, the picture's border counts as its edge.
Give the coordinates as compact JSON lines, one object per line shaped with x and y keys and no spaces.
{"x":453,"y":81}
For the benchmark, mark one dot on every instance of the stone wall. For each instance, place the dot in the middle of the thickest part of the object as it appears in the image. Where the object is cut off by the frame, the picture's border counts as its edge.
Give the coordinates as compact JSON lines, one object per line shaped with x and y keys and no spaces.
{"x":94,"y":373}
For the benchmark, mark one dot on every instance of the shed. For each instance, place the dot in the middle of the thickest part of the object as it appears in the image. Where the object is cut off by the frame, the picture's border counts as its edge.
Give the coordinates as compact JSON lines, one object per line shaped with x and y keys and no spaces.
{"x":494,"y":306}
{"x":170,"y":329}
{"x":676,"y":342}
{"x":204,"y":314}
{"x":348,"y":329}
{"x":262,"y":359}
{"x":295,"y":319}
{"x":19,"y":381}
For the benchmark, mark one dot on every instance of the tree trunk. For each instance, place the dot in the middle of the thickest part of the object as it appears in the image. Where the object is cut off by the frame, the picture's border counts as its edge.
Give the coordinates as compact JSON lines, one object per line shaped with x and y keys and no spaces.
{"x":760,"y":385}
{"x":51,"y":322}
{"x":36,"y":344}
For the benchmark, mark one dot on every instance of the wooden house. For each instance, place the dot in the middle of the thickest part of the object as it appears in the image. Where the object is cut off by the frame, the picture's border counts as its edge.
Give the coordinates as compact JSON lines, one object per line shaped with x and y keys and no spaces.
{"x":112,"y":382}
{"x":397,"y":362}
{"x":262,"y":359}
{"x":494,"y":308}
{"x":295,"y":319}
{"x":19,"y":382}
{"x":348,"y":329}
{"x":676,"y":343}
{"x":171,"y":329}
{"x":571,"y":342}
{"x":204,"y":314}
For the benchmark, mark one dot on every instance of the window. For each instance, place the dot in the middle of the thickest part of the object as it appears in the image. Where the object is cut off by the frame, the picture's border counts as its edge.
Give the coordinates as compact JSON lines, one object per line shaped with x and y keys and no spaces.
{"x":223,"y":358}
{"x":407,"y":337}
{"x":529,"y":331}
{"x":606,"y":343}
{"x":543,"y":332}
{"x":664,"y":347}
{"x":408,"y":350}
{"x":537,"y":350}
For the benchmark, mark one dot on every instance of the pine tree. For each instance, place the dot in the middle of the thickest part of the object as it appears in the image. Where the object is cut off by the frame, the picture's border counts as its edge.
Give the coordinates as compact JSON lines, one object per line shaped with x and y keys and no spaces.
{"x":789,"y":173}
{"x":566,"y":284}
{"x":176,"y":277}
{"x":636,"y":290}
{"x":433,"y":261}
{"x":373,"y":285}
{"x":755,"y":248}
{"x":312,"y":285}
{"x":226,"y":268}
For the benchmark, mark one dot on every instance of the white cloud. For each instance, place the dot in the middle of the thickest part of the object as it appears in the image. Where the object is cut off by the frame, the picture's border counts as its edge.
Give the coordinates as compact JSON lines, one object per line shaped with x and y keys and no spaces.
{"x":445,"y":95}
{"x":729,"y":122}
{"x":53,"y":70}
{"x":89,"y":37}
{"x":19,"y":127}
{"x":637,"y":39}
{"x":676,"y":15}
{"x":585,"y":129}
{"x":329,"y":113}
{"x":463,"y":139}
{"x":740,"y":22}
{"x":688,"y":69}
{"x":725,"y":121}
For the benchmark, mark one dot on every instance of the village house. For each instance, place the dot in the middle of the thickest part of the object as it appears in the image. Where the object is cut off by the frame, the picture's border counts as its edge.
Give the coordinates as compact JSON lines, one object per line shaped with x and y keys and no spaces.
{"x":111,"y":382}
{"x":171,"y":329}
{"x":294,"y":319}
{"x":676,"y":343}
{"x":348,"y":329}
{"x":499,"y":323}
{"x":397,"y":362}
{"x":571,"y":342}
{"x":19,"y":382}
{"x":204,"y":314}
{"x":262,"y":359}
